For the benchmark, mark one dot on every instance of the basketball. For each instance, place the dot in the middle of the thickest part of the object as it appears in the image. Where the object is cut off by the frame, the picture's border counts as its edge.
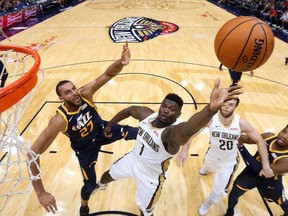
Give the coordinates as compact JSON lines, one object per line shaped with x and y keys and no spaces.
{"x":244,"y":43}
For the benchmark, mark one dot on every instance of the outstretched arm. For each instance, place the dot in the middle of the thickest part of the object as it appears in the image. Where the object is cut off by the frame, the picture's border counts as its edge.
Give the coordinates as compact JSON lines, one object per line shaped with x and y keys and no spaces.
{"x":137,"y":112}
{"x":181,"y":133}
{"x":183,"y":154}
{"x":262,"y":149}
{"x":246,"y":139}
{"x":45,"y":139}
{"x":116,"y":67}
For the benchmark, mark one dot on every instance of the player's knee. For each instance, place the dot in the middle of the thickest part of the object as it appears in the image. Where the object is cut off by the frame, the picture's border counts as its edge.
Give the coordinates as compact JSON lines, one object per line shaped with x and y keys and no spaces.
{"x":87,"y":189}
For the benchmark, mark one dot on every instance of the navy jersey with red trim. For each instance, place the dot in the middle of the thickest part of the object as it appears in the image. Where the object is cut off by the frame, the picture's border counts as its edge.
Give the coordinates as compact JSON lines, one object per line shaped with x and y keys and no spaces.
{"x":82,"y":126}
{"x":273,"y":154}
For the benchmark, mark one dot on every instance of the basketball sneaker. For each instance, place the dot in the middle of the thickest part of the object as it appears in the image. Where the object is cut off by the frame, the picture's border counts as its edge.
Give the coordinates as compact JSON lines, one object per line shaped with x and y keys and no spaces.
{"x":84,"y":210}
{"x":203,"y":171}
{"x":100,"y":186}
{"x":204,"y":208}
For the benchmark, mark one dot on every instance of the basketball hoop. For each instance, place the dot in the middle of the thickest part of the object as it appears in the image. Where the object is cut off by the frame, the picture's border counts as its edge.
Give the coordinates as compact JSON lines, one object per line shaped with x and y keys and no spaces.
{"x":15,"y":174}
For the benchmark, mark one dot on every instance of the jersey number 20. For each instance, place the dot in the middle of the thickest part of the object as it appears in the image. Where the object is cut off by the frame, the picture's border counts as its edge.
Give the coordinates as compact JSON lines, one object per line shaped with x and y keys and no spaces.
{"x":226,"y":145}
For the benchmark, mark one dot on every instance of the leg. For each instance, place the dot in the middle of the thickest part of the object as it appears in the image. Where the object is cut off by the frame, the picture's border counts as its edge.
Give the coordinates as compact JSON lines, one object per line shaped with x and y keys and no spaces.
{"x":284,"y":206}
{"x":245,"y":181}
{"x":148,"y":191}
{"x":89,"y":179}
{"x":104,"y":181}
{"x":122,"y":168}
{"x":233,"y":199}
{"x":235,"y":76}
{"x":222,"y":181}
{"x":273,"y":190}
{"x":208,"y":165}
{"x":106,"y":178}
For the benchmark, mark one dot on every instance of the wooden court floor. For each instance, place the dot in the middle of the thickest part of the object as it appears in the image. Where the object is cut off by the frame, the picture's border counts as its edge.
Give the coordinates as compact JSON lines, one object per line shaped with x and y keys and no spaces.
{"x":75,"y":45}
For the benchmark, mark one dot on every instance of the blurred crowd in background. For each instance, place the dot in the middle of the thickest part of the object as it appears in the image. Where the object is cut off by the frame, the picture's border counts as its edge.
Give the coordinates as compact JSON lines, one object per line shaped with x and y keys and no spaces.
{"x":273,"y":12}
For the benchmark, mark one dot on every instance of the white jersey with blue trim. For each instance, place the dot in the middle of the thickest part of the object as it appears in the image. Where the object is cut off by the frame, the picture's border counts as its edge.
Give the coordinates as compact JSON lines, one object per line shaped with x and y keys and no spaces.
{"x":224,"y":139}
{"x":150,"y":154}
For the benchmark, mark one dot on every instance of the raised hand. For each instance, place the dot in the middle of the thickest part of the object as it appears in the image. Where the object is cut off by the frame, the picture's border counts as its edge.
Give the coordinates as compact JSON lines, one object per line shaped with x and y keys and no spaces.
{"x":126,"y":55}
{"x":219,"y":96}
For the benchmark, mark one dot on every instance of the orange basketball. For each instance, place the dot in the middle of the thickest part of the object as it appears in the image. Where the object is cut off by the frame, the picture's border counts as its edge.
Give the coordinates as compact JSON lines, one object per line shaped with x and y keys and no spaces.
{"x":244,"y":43}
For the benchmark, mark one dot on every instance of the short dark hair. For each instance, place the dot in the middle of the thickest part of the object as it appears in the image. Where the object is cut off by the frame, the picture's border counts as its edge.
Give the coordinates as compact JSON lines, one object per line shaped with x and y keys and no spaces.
{"x":174,"y":97}
{"x":62,"y":82}
{"x":237,"y":101}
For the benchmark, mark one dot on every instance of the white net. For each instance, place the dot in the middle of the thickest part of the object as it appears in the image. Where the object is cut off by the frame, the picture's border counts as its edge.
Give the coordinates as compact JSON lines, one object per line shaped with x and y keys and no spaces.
{"x":15,"y":174}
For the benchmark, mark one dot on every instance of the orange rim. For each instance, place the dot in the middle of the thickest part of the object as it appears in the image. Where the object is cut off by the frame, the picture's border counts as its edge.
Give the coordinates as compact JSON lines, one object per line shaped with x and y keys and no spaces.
{"x":14,"y":92}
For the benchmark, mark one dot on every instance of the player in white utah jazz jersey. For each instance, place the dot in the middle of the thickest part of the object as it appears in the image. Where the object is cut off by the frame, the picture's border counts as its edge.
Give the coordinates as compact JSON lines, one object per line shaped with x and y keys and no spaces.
{"x":159,"y":138}
{"x":221,"y":157}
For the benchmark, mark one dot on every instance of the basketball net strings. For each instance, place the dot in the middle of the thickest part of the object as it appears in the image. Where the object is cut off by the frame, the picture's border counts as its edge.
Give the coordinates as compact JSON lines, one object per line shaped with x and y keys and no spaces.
{"x":15,"y":166}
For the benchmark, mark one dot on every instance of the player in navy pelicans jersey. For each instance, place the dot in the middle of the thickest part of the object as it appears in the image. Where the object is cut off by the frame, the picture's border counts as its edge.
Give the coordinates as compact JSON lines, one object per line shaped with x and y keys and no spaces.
{"x":78,"y":118}
{"x":249,"y":178}
{"x":160,"y":136}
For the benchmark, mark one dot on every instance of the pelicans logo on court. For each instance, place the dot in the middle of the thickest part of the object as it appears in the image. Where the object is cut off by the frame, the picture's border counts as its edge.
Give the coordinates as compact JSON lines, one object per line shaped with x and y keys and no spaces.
{"x":139,"y":29}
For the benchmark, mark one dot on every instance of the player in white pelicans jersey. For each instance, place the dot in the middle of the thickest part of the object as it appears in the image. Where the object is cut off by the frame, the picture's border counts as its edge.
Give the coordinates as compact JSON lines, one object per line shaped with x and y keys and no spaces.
{"x":149,"y":152}
{"x":223,"y":142}
{"x":159,"y":138}
{"x":221,"y":157}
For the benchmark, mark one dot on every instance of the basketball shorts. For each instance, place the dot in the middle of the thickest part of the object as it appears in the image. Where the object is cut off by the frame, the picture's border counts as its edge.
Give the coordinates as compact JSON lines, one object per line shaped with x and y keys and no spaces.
{"x":148,"y":189}
{"x":269,"y":188}
{"x":90,"y":153}
{"x":223,"y":175}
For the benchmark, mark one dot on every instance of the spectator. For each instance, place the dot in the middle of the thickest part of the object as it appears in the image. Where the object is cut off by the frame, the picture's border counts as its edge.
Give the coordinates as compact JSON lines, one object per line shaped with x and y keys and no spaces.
{"x":271,"y":16}
{"x":284,"y":21}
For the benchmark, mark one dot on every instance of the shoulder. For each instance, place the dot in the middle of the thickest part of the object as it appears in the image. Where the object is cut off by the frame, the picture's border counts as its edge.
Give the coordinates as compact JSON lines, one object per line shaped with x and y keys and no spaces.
{"x":245,"y":126}
{"x":56,"y":124}
{"x":268,"y":135}
{"x":58,"y":118}
{"x":86,"y":97}
{"x":87,"y":92}
{"x":142,"y":112}
{"x":243,"y":122}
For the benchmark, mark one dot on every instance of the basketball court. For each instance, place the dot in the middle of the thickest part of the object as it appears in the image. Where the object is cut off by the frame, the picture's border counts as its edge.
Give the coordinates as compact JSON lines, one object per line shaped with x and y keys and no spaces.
{"x":76,"y":45}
